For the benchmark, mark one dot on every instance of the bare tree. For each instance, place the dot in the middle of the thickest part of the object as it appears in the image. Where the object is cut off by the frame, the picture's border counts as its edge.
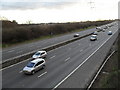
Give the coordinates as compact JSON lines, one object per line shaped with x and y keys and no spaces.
{"x":29,"y":22}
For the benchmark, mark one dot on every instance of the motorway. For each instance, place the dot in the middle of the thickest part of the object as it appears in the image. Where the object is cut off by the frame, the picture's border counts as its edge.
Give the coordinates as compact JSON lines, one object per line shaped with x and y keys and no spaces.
{"x":61,"y":64}
{"x":15,"y":51}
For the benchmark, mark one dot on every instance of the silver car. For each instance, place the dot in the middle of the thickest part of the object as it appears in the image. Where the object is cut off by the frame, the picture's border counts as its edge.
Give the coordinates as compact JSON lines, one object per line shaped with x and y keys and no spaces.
{"x":34,"y":66}
{"x":40,"y":54}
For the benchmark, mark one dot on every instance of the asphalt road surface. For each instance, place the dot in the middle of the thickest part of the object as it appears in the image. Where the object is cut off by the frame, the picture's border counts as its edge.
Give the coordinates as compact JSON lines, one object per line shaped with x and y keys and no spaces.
{"x":14,"y":51}
{"x":61,"y":65}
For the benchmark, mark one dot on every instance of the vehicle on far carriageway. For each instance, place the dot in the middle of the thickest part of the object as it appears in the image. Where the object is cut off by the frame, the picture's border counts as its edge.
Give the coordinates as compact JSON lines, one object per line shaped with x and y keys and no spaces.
{"x":109,"y":32}
{"x":40,"y":54}
{"x":99,"y":28}
{"x":106,"y":27}
{"x":76,"y":35}
{"x":103,"y":30}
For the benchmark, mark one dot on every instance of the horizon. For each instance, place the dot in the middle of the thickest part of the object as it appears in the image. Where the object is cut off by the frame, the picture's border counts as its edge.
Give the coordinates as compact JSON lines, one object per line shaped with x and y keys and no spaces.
{"x":57,"y":22}
{"x":53,"y":11}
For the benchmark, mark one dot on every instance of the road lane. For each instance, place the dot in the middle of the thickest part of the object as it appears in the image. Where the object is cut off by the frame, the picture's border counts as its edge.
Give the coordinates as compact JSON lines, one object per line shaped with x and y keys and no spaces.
{"x":56,"y":68}
{"x":84,"y":74}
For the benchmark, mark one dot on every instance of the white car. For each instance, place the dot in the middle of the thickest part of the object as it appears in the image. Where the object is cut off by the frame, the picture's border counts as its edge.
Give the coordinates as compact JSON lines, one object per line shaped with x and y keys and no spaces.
{"x":99,"y":28}
{"x":76,"y":35}
{"x":95,"y":33}
{"x":93,"y":37}
{"x":40,"y":54}
{"x":34,"y":66}
{"x":103,"y":30}
{"x":109,"y":32}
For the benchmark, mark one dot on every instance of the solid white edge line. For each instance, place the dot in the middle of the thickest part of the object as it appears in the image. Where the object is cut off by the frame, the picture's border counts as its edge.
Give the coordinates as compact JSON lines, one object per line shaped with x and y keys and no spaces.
{"x":81,"y":64}
{"x":99,"y":70}
{"x":42,"y":74}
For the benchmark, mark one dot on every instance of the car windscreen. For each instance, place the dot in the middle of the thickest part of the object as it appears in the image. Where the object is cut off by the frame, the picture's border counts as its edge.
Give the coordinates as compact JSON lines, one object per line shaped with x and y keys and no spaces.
{"x":93,"y":36}
{"x":30,"y":64}
{"x":37,"y":53}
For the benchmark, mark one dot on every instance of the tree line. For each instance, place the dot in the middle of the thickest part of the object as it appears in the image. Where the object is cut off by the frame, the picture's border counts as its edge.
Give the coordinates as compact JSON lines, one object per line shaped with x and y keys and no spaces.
{"x":13,"y":32}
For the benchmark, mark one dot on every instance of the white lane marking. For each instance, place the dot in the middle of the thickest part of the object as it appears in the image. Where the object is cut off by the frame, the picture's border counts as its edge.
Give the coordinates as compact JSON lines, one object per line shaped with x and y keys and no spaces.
{"x":79,"y":44}
{"x":20,"y":71}
{"x":42,"y":74}
{"x":52,"y":57}
{"x":81,"y":50}
{"x":38,"y":46}
{"x":70,"y":48}
{"x":67,"y":59}
{"x":100,"y":70}
{"x":80,"y":65}
{"x":11,"y":51}
{"x":31,"y":46}
{"x":19,"y":52}
{"x":90,"y":44}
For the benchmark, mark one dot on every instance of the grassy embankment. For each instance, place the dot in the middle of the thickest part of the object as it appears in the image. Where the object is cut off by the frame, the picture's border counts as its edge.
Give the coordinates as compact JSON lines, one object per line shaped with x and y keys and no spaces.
{"x":13,"y":33}
{"x":110,"y":75}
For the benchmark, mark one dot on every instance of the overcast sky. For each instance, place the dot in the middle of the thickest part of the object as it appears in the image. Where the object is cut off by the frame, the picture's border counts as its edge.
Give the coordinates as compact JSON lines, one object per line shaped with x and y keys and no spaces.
{"x":45,"y":11}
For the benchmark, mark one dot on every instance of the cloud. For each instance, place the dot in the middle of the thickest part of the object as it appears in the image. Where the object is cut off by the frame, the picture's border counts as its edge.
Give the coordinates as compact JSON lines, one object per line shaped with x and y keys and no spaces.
{"x":34,"y":4}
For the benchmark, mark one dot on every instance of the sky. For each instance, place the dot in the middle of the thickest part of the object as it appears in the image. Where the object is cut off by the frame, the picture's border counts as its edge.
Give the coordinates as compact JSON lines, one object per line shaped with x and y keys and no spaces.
{"x":47,"y":11}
